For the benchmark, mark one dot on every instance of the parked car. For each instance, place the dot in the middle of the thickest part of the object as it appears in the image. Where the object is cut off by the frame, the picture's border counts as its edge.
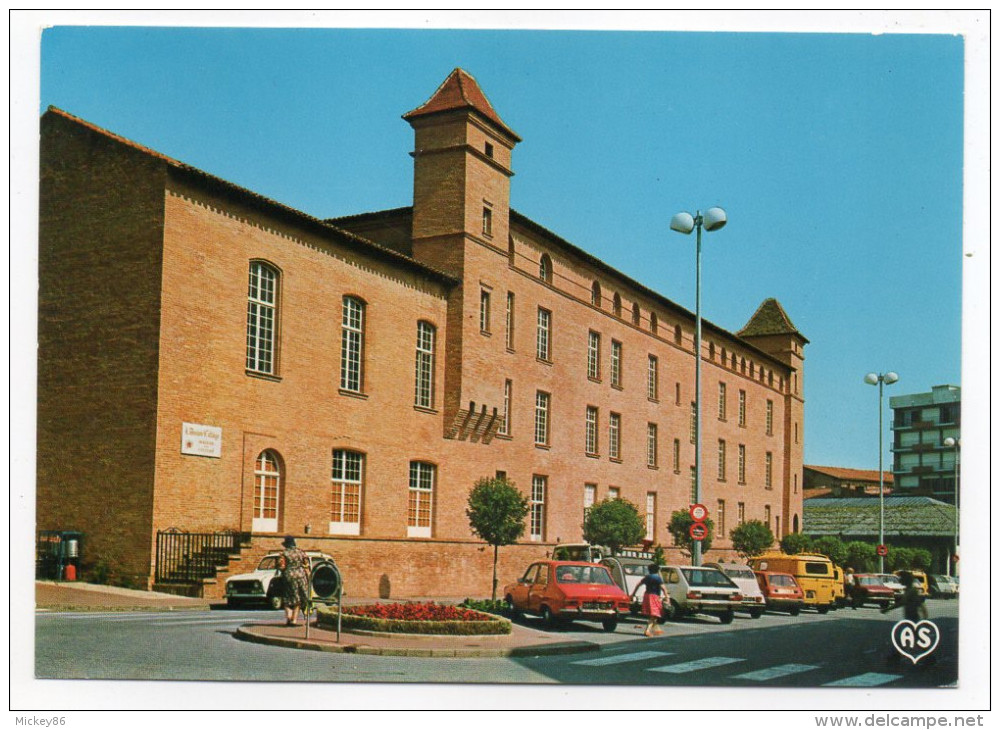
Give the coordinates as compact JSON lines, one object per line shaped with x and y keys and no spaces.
{"x":691,"y":590}
{"x":781,"y":591}
{"x":919,"y":577}
{"x":628,"y":574}
{"x":580,"y":551}
{"x":742,"y":576}
{"x":869,"y":588}
{"x":891,"y":581}
{"x":816,"y":575}
{"x":259,"y":586}
{"x":562,"y":590}
{"x":943,"y":586}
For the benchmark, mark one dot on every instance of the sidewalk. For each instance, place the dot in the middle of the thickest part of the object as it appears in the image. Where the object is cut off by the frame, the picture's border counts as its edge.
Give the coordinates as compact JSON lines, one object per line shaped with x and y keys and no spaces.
{"x":65,"y":596}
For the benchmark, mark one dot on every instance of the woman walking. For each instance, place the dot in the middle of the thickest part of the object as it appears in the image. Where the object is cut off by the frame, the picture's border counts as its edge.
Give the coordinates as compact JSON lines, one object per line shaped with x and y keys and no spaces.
{"x":652,"y":603}
{"x":294,"y":565}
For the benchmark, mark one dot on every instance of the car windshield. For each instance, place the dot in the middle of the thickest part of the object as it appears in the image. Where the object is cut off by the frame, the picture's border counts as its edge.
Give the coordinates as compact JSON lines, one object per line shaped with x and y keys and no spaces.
{"x":706,"y":577}
{"x":782,"y":580}
{"x":639,"y":570}
{"x":869,"y":580}
{"x":269,"y":563}
{"x":739,"y":573}
{"x":583,"y":574}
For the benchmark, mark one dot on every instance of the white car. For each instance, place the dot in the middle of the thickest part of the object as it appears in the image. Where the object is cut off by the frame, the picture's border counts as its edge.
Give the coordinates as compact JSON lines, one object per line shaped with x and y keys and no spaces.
{"x":259,"y":585}
{"x":628,"y":574}
{"x":743,"y":576}
{"x":699,"y":590}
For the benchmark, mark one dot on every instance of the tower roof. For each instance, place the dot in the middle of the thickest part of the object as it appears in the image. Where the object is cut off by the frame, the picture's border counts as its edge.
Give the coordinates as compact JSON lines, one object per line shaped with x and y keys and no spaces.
{"x":770,"y":319}
{"x":460,"y":91}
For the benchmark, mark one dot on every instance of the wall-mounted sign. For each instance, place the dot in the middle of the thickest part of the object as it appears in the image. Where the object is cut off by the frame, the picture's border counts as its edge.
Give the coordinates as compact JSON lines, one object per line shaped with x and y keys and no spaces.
{"x":200,"y":440}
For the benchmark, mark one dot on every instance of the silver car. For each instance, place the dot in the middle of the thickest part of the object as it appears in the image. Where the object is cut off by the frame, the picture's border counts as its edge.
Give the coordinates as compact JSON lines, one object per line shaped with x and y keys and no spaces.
{"x":743,"y":576}
{"x":699,"y":590}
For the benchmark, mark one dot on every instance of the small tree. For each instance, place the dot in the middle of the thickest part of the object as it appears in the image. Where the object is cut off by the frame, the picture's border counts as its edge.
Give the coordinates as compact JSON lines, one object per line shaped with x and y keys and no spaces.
{"x":680,"y":531}
{"x":832,"y":547}
{"x":861,"y":556}
{"x":496,"y":512}
{"x":795,"y":542}
{"x":751,"y":538}
{"x":899,"y":558}
{"x":922,"y":559}
{"x":614,"y":523}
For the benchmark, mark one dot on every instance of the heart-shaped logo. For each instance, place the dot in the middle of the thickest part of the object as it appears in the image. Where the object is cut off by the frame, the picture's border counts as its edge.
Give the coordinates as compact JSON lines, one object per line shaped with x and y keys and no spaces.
{"x":915,"y":640}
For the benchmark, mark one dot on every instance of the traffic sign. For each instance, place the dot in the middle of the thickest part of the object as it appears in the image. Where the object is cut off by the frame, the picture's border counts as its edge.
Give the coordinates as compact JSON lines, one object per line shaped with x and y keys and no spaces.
{"x":882,"y":550}
{"x":698,"y":531}
{"x":698,"y":512}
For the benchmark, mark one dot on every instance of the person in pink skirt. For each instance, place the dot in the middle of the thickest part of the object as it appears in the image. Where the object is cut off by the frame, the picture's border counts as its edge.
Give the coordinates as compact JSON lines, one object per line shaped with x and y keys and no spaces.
{"x":652,"y":601}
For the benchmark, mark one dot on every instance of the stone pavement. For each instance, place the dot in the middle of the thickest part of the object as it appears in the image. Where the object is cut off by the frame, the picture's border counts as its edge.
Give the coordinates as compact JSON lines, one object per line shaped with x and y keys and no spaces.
{"x":78,"y":596}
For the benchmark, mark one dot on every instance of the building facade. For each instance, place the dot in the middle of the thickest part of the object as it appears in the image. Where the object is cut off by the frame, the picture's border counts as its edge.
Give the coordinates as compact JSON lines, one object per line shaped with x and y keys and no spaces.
{"x":838,"y":481}
{"x":923,"y":464}
{"x":213,"y":362}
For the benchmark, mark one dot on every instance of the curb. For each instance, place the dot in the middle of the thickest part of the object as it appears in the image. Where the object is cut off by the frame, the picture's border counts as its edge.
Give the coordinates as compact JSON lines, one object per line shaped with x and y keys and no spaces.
{"x":564,"y":647}
{"x":93,"y":608}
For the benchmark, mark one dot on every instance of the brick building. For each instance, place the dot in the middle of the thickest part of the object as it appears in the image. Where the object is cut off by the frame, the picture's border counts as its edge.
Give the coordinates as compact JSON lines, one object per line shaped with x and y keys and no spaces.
{"x":839,"y":481}
{"x":211,"y":361}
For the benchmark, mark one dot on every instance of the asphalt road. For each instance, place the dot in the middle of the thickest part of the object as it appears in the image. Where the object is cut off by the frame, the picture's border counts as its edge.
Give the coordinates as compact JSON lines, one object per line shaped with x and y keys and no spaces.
{"x":845,"y":648}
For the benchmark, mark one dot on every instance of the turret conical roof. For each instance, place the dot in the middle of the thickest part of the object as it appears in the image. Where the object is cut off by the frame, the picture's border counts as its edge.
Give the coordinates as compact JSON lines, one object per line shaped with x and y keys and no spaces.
{"x":460,"y":91}
{"x":770,"y":319}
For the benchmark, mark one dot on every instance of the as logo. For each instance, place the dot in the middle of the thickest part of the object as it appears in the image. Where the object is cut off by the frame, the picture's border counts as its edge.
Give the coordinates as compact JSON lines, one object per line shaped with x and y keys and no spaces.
{"x":915,"y":640}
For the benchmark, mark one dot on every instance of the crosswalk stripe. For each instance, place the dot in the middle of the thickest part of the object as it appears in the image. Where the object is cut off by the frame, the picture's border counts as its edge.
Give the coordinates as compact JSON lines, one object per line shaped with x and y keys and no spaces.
{"x":622,"y":658}
{"x":868,"y":679}
{"x":697,"y":664}
{"x":781,"y":670}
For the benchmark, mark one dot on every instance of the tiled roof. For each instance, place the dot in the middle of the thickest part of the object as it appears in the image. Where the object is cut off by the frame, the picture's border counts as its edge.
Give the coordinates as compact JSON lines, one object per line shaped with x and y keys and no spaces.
{"x":859,"y":517}
{"x":769,"y":319}
{"x":851,"y":475}
{"x":460,"y":91}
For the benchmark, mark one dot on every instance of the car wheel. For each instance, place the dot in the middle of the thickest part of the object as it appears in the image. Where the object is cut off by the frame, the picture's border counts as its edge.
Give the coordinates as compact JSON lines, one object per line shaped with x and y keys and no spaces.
{"x":232,"y":603}
{"x":275,"y":601}
{"x":823,"y":609}
{"x":727,"y":617}
{"x":756,"y":612}
{"x":548,"y":618}
{"x":610,"y":623}
{"x":512,"y":609}
{"x":793,"y":611}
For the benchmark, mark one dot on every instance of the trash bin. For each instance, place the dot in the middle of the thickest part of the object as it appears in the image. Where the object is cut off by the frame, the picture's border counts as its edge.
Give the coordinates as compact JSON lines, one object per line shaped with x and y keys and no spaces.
{"x":57,"y":554}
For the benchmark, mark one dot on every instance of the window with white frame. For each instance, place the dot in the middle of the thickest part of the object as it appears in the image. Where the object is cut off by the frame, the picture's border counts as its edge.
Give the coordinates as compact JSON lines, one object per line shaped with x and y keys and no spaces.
{"x":591,"y":440}
{"x":768,"y":464}
{"x":722,"y":401}
{"x":589,"y":497}
{"x":345,"y":492}
{"x":504,"y":429}
{"x":720,"y":523}
{"x":545,"y":268}
{"x":722,"y":460}
{"x":614,"y":435}
{"x":650,"y":515}
{"x":424,"y":388}
{"x":693,"y":429}
{"x":352,"y":345}
{"x":652,"y":447}
{"x":769,"y":418}
{"x":266,"y":492}
{"x":541,"y":418}
{"x":616,"y":364}
{"x":743,"y":408}
{"x":484,"y":310}
{"x":537,"y":505}
{"x":594,"y":355}
{"x":510,"y":320}
{"x":741,"y":513}
{"x":420,"y":506}
{"x":543,"y":348}
{"x":262,"y":317}
{"x":653,"y":378}
{"x":741,"y":475}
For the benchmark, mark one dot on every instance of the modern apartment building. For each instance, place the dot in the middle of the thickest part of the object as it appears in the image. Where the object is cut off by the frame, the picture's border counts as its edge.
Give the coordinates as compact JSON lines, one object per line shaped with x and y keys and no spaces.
{"x":923,"y":464}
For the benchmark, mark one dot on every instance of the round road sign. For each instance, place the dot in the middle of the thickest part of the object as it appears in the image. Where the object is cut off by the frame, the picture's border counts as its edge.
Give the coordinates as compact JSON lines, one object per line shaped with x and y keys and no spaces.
{"x":698,"y":512}
{"x":326,"y":580}
{"x":698,"y":531}
{"x":882,"y":550}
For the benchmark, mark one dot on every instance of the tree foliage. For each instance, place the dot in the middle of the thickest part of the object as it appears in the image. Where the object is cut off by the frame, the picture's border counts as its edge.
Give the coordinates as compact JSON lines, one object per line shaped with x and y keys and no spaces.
{"x":496,"y":510}
{"x":830,"y":546}
{"x":861,"y":556}
{"x":679,"y":528}
{"x":614,"y":523}
{"x":751,"y":538}
{"x":795,"y":542}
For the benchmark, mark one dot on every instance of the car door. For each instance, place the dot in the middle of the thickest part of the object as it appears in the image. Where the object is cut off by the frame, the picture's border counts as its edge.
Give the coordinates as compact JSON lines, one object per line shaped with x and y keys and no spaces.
{"x":519,"y":593}
{"x":536,"y":591}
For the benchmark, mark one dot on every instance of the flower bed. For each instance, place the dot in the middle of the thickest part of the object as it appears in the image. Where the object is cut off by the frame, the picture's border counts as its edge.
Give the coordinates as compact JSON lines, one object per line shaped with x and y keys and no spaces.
{"x":415,"y":618}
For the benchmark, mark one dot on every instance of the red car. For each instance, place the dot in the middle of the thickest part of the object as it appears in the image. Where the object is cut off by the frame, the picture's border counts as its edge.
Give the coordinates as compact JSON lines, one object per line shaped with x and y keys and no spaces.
{"x":561,"y":590}
{"x":869,"y":588}
{"x":781,"y":591}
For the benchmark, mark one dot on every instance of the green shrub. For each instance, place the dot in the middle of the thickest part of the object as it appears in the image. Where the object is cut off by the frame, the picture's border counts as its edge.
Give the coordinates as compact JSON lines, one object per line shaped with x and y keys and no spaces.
{"x":327,"y":617}
{"x":497,"y":608}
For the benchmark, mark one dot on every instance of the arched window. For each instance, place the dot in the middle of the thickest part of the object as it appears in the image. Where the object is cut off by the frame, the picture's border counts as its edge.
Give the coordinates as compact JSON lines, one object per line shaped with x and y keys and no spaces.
{"x":346,"y":477}
{"x":677,"y":334}
{"x":545,"y":269}
{"x":262,"y":318}
{"x":352,"y":349}
{"x":711,"y":350}
{"x":617,"y":304}
{"x":595,"y":294}
{"x":743,"y":365}
{"x":266,"y":491}
{"x":636,"y":315}
{"x":724,"y":357}
{"x":751,"y":369}
{"x":732,"y":361}
{"x":510,"y":249}
{"x":653,"y":322}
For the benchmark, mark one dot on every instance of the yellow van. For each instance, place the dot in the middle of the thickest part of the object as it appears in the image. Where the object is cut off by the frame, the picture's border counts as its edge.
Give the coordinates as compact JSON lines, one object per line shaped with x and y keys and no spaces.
{"x":816,"y":573}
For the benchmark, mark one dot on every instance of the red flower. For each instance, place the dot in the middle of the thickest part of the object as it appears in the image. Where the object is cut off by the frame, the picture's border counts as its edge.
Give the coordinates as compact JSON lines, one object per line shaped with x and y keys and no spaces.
{"x":417,"y":612}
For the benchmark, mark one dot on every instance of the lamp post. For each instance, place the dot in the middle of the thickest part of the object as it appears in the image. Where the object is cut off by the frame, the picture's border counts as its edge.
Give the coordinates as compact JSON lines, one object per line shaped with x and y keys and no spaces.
{"x":954,"y":443}
{"x":712,"y":220}
{"x":879,"y":379}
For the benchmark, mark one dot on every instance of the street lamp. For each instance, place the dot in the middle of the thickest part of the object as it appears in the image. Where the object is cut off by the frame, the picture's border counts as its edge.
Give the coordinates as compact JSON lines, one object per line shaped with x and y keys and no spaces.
{"x":954,"y":443}
{"x":879,"y":379}
{"x":713,"y":220}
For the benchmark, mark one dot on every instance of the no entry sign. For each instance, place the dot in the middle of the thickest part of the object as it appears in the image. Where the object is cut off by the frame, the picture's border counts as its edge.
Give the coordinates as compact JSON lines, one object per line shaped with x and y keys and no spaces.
{"x":882,"y":550}
{"x":698,"y":512}
{"x":698,"y":531}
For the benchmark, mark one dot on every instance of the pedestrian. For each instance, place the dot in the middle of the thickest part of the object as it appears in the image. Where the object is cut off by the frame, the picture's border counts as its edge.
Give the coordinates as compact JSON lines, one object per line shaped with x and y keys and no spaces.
{"x":913,"y":600}
{"x":849,"y":587}
{"x":294,"y":566}
{"x":652,"y":603}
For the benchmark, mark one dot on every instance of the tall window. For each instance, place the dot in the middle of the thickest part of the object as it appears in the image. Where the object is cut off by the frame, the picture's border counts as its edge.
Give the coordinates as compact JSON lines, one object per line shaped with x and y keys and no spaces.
{"x":595,"y":294}
{"x":767,"y":514}
{"x":636,"y":316}
{"x":537,"y":504}
{"x":652,"y":457}
{"x":693,"y":428}
{"x":722,"y":460}
{"x":543,"y":348}
{"x":614,"y":436}
{"x":594,"y":355}
{"x":741,"y":513}
{"x":616,"y":364}
{"x":420,"y":507}
{"x":677,"y":456}
{"x":653,"y":378}
{"x":720,"y":523}
{"x":743,"y":408}
{"x":510,"y":320}
{"x":504,"y":429}
{"x":768,"y":464}
{"x":692,"y":497}
{"x":267,"y":487}
{"x":545,"y":268}
{"x":424,"y":396}
{"x":650,"y":515}
{"x":262,"y":305}
{"x":591,"y":430}
{"x":769,"y":418}
{"x":677,"y":393}
{"x":616,"y":304}
{"x":487,"y":221}
{"x":677,"y":334}
{"x":345,"y":493}
{"x":654,"y":323}
{"x":352,"y":345}
{"x":484,"y":311}
{"x":589,"y":497}
{"x":722,"y":401}
{"x":541,"y":418}
{"x":742,"y":465}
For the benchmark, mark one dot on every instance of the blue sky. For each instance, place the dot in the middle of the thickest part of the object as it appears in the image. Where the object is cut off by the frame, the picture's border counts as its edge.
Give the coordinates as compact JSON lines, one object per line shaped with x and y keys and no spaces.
{"x":838,"y":158}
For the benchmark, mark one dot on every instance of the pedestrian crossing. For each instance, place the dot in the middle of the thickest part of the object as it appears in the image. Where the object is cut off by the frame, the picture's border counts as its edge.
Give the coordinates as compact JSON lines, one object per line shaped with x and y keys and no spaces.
{"x":760,"y":676}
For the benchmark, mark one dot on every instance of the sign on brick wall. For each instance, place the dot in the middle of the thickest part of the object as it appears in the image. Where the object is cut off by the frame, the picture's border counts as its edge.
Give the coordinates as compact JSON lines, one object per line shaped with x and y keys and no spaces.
{"x":199,"y":440}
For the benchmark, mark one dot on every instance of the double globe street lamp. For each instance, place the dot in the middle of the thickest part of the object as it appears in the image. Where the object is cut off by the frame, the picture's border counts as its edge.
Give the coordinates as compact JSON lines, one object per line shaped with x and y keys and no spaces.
{"x":712,"y":220}
{"x":881,"y":379}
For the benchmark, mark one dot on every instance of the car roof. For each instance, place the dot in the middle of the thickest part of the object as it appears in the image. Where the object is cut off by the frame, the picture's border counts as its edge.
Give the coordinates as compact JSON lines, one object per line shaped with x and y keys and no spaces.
{"x":628,"y":560}
{"x":772,"y":572}
{"x":557,"y":563}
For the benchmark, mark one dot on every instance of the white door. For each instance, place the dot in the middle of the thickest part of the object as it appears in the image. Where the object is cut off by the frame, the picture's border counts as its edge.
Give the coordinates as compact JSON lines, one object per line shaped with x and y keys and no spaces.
{"x":267,"y":488}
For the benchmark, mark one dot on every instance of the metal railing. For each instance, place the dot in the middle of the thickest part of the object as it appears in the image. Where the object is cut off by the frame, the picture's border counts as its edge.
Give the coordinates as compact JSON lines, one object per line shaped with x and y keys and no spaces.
{"x":189,"y":557}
